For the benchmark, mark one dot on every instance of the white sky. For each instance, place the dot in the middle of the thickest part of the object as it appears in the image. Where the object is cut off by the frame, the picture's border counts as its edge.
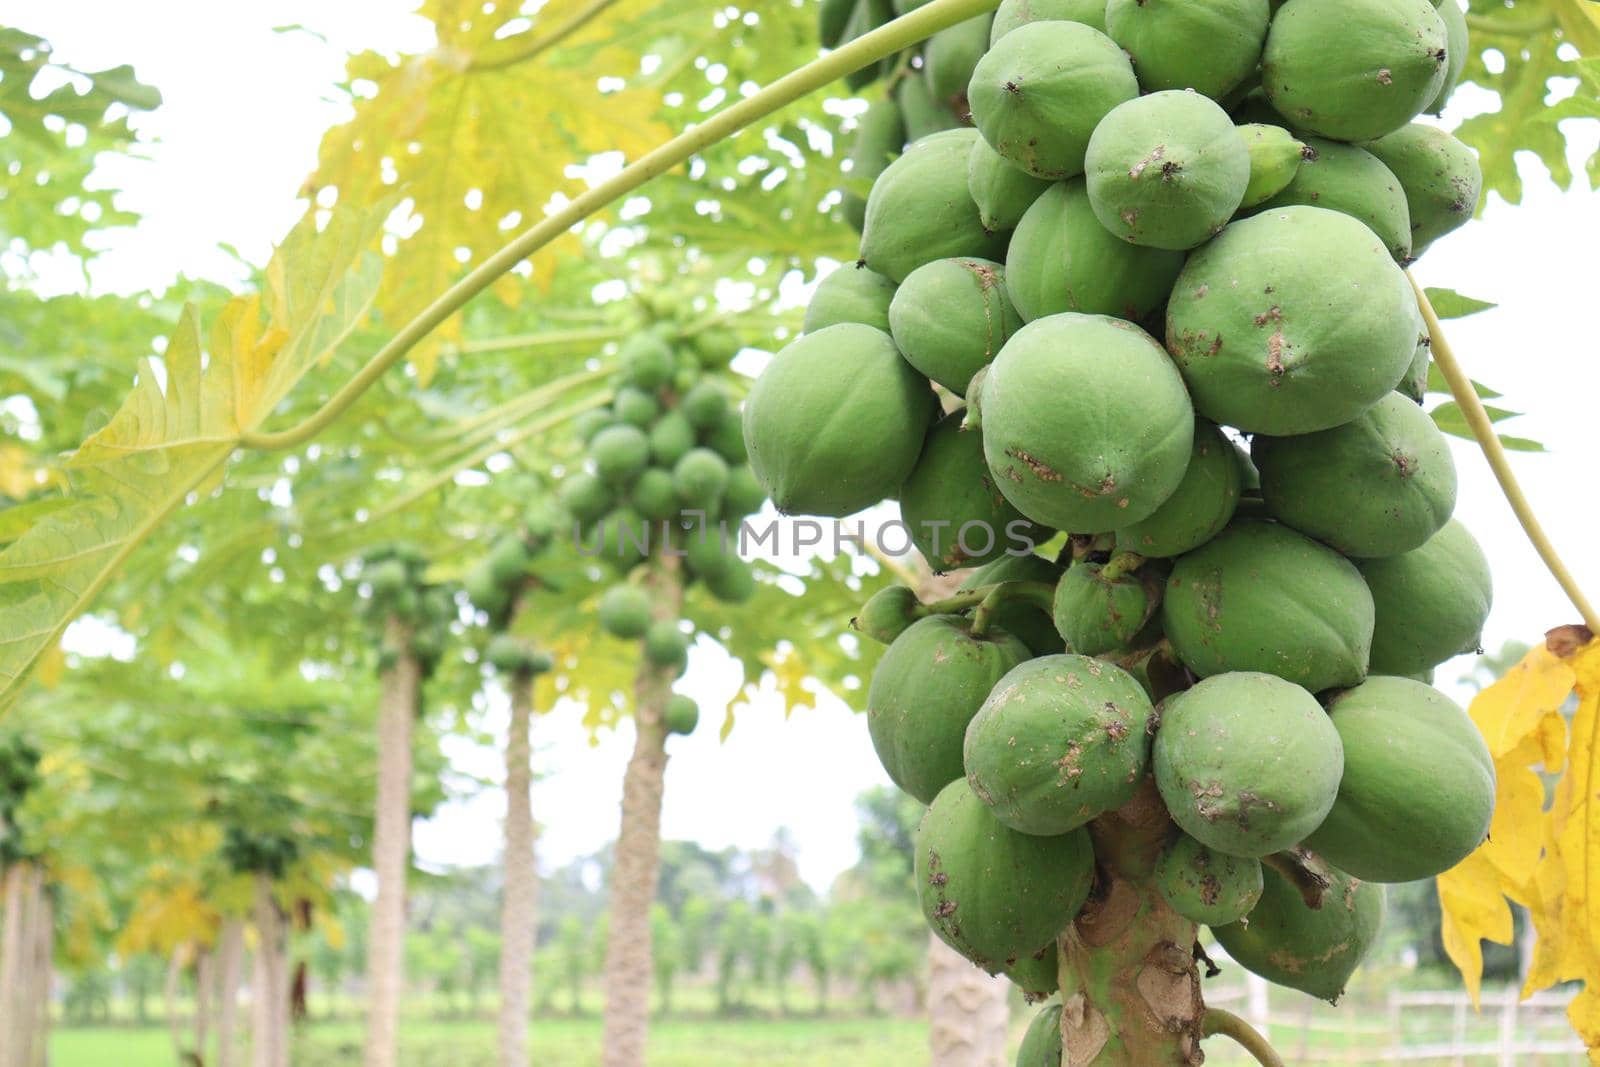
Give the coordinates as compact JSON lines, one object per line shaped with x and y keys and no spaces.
{"x":244,"y":111}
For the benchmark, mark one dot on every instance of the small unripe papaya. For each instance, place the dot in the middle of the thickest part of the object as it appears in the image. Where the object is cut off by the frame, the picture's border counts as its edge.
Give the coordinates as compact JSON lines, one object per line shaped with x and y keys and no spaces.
{"x":1275,"y":157}
{"x":852,"y":293}
{"x":1207,"y":887}
{"x":625,"y":611}
{"x":887,"y":614}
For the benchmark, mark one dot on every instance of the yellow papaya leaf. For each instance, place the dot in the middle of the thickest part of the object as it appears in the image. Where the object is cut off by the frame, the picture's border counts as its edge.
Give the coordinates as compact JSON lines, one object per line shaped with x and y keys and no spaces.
{"x":1512,"y":708}
{"x":172,"y":437}
{"x":1473,"y":909}
{"x":1579,"y":810}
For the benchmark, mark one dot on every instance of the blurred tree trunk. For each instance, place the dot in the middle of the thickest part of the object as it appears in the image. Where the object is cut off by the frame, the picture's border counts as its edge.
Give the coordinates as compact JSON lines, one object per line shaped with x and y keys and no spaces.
{"x":968,"y":1013}
{"x":391,"y":846}
{"x":628,"y":964}
{"x":517,"y":906}
{"x":270,"y":985}
{"x":169,"y":1001}
{"x":43,"y":974}
{"x":10,"y":958}
{"x":230,"y":962}
{"x":203,"y":962}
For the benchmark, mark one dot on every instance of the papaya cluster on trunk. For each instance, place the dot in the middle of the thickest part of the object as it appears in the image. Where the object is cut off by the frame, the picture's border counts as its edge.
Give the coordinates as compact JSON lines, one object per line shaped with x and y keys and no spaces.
{"x":1131,"y":298}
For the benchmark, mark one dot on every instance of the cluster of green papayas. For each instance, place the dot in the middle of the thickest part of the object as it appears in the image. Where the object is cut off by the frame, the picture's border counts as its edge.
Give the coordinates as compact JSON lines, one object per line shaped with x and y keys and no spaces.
{"x":1138,"y":299}
{"x":392,"y":577}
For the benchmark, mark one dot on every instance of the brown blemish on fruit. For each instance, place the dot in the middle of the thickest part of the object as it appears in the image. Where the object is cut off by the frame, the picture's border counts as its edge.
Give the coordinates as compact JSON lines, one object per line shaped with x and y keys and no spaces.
{"x":1155,"y":156}
{"x":1276,"y":345}
{"x":1042,"y":471}
{"x":1385,"y":77}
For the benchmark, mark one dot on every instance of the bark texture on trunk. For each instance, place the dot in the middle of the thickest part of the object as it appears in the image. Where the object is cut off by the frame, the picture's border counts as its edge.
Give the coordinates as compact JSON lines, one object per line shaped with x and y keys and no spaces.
{"x":230,"y":963}
{"x":169,"y":1001}
{"x":204,"y":963}
{"x":391,"y":847}
{"x":1130,"y":986}
{"x":520,"y":898}
{"x":628,"y":963}
{"x":968,"y":1013}
{"x":269,"y":1004}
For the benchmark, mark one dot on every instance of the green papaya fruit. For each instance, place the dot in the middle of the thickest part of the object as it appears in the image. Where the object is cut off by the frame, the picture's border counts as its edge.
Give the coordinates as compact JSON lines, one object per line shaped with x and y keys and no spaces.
{"x":635,"y":407}
{"x":646,"y":360}
{"x":1037,"y":95}
{"x":879,"y":136}
{"x":708,"y":552}
{"x":585,"y":496}
{"x":1028,"y":621}
{"x":625,"y":611}
{"x":1059,"y":740}
{"x":509,"y":560}
{"x":589,"y":423}
{"x":925,"y":690}
{"x":486,"y":594}
{"x":681,"y":715}
{"x":1379,"y":485}
{"x":1095,"y":614}
{"x":950,"y":317}
{"x":620,"y":453}
{"x":852,"y":293}
{"x":1205,"y":886}
{"x":1013,"y":13}
{"x":1348,"y":179}
{"x":715,"y":346}
{"x":1418,"y":785}
{"x":1292,"y":321}
{"x":1314,"y":950}
{"x":1247,"y":763}
{"x":670,"y":438}
{"x":621,"y":538}
{"x":1260,"y":597}
{"x":653,"y":495}
{"x":1086,"y":424}
{"x":1353,"y":70}
{"x":706,"y":405}
{"x":387,"y":578}
{"x":1061,"y":259}
{"x":1199,"y":508}
{"x":1036,"y":974}
{"x":1457,"y":48}
{"x":921,"y":114}
{"x":700,"y":478}
{"x":1209,"y":46}
{"x":952,"y":511}
{"x":1275,"y":158}
{"x":832,"y":15}
{"x":1414,"y":385}
{"x":948,"y":58}
{"x":1041,"y":1044}
{"x":1167,"y":170}
{"x":1431,"y":603}
{"x":887,"y":614}
{"x":666,"y":645}
{"x":744,"y":495}
{"x":990,"y":893}
{"x":735,"y":583}
{"x":507,"y":653}
{"x":1439,"y":176}
{"x":920,"y":210}
{"x":727,"y":440}
{"x":836,"y":421}
{"x":1255,"y":109}
{"x":1002,"y":190}
{"x":867,"y":16}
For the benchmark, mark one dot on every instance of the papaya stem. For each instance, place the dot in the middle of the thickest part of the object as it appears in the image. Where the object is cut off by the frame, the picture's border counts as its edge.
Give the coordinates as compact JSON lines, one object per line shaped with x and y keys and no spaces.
{"x":1483,"y":430}
{"x":1120,"y":564}
{"x":985,"y":598}
{"x":870,"y":47}
{"x":1226,"y":1023}
{"x":1305,"y":872}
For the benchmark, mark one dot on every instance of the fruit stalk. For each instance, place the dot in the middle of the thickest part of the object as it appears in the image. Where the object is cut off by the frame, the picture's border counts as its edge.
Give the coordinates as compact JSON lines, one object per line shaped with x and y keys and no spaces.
{"x":1130,"y":985}
{"x":1228,"y":1024}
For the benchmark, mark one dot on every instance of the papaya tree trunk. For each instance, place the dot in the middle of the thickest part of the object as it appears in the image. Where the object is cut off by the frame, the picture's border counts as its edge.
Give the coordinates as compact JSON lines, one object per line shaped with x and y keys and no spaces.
{"x":270,"y":988}
{"x":628,"y":961}
{"x":230,"y":961}
{"x":43,"y":976}
{"x":25,"y":1006}
{"x":203,"y":965}
{"x":517,"y":905}
{"x":968,"y":1013}
{"x":169,"y":1001}
{"x":11,"y":960}
{"x":1130,"y":985}
{"x":391,"y":846}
